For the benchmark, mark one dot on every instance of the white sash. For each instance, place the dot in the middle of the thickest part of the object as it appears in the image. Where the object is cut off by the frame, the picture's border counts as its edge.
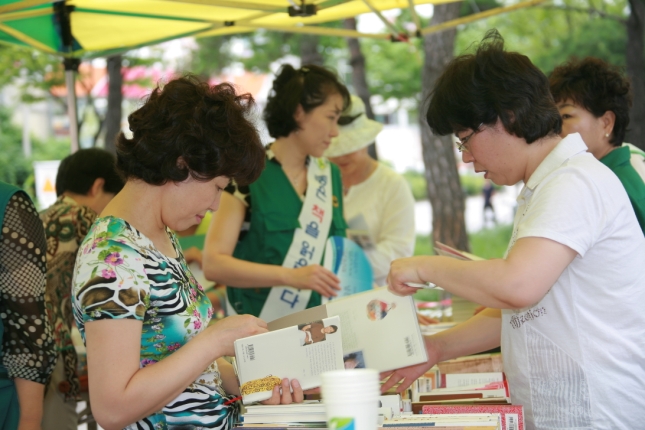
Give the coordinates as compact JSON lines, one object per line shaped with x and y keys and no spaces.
{"x":308,"y":242}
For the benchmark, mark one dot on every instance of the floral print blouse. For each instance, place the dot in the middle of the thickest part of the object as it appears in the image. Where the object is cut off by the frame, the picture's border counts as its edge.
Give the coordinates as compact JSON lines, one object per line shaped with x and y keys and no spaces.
{"x":120,"y":274}
{"x":66,"y":225}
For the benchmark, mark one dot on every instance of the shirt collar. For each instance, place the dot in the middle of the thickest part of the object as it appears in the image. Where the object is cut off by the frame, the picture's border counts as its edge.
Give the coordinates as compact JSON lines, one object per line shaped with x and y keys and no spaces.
{"x":564,"y":150}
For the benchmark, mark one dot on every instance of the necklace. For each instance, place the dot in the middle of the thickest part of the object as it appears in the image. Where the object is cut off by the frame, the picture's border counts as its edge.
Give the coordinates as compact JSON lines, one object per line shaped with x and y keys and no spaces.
{"x":295,"y":178}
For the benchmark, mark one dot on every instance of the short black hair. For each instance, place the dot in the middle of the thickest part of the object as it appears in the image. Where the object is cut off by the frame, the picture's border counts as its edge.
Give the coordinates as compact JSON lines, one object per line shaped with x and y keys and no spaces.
{"x":78,"y":171}
{"x":479,"y":88}
{"x":209,"y":127}
{"x":598,"y":87}
{"x":334,"y":327}
{"x":308,"y":87}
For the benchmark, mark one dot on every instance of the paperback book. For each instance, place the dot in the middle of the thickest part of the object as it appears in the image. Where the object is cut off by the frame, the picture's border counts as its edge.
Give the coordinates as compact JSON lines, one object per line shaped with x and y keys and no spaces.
{"x":302,"y":351}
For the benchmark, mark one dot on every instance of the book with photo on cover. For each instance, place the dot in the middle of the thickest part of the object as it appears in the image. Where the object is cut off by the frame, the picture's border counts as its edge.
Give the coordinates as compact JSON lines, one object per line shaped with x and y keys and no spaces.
{"x":301,"y":352}
{"x":380,"y":330}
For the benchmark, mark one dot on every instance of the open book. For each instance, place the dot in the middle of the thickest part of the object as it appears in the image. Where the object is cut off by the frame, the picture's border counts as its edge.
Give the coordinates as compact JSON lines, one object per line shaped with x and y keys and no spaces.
{"x":379,"y":329}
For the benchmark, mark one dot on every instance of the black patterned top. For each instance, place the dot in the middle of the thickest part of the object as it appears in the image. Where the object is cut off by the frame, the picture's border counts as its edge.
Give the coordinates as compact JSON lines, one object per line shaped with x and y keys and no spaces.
{"x":27,"y":345}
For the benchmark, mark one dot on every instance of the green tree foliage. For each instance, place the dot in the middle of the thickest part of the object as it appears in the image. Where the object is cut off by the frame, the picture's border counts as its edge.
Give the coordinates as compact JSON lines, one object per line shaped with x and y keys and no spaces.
{"x":30,"y":70}
{"x":550,"y":36}
{"x":17,"y":169}
{"x":211,"y":56}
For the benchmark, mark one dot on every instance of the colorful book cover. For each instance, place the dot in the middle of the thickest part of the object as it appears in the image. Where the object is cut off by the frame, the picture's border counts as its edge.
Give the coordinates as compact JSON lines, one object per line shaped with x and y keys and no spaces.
{"x":347,"y":260}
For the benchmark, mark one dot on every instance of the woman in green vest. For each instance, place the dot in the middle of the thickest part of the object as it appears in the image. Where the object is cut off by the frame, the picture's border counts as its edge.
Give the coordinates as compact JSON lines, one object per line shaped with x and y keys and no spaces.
{"x":594,"y":100}
{"x":266,"y":240}
{"x":27,"y":353}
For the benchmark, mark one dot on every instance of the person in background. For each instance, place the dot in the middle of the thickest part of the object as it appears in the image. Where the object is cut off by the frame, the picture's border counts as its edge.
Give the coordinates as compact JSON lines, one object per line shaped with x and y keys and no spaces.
{"x":85,"y":183}
{"x":594,"y":100}
{"x":566,"y":302}
{"x":153,"y":359}
{"x":488,"y":190}
{"x":376,"y":198}
{"x":266,"y":241}
{"x":27,"y":350}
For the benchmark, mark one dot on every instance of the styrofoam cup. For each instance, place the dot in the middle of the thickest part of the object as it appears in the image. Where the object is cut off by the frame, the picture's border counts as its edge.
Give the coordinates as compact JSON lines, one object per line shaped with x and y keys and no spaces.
{"x":352,"y":415}
{"x":351,"y":399}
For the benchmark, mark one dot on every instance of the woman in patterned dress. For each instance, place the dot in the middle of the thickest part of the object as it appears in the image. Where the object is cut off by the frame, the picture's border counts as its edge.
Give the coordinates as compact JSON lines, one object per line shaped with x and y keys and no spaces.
{"x":153,"y":360}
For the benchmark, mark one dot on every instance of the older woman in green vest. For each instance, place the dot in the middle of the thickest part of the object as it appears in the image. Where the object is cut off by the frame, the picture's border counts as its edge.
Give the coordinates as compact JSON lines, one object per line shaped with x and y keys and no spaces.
{"x":27,"y":354}
{"x":594,"y":99}
{"x":266,"y":240}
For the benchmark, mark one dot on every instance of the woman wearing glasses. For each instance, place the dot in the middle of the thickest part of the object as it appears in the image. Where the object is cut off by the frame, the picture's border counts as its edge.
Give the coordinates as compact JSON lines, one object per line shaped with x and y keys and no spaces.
{"x":566,"y":303}
{"x":266,"y":240}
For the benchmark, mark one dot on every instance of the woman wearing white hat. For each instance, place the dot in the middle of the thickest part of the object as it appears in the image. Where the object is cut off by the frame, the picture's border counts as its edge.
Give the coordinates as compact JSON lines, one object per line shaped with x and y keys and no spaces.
{"x":377,"y":200}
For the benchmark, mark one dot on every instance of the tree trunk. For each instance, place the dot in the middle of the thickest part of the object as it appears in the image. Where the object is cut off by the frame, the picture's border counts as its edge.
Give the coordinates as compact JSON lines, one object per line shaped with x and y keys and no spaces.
{"x":115,"y":99}
{"x":636,"y":70}
{"x":444,"y":187}
{"x":359,"y":77}
{"x":309,"y":50}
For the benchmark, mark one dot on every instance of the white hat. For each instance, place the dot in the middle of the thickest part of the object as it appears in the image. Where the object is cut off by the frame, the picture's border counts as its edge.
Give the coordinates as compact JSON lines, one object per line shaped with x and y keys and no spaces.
{"x":356,"y":135}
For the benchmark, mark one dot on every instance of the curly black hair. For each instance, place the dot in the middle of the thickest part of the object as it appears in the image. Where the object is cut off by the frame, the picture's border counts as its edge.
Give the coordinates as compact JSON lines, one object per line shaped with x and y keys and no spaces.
{"x":189,"y":127}
{"x":492,"y":83}
{"x":596,"y":86}
{"x":78,"y":171}
{"x":308,"y":87}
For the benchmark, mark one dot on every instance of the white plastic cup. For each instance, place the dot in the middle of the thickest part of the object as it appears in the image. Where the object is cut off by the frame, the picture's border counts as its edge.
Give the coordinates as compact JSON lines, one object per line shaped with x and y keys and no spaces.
{"x":351,"y":399}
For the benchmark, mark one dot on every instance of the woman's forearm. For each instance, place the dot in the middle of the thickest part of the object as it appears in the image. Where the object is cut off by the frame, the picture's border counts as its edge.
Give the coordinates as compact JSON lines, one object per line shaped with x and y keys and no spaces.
{"x":479,"y":333}
{"x":230,"y":382}
{"x":31,"y":396}
{"x":228,"y":270}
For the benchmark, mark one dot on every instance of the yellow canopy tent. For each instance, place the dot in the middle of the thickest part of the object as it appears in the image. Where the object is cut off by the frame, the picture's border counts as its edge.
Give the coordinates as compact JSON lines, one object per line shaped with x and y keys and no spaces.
{"x":90,"y":28}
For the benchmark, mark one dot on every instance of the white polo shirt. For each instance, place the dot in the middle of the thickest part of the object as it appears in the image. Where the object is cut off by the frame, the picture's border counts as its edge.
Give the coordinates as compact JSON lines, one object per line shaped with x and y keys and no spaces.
{"x":576,"y":359}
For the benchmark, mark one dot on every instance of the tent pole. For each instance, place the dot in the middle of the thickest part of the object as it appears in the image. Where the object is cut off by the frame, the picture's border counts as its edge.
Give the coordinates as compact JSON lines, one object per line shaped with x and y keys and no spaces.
{"x":71,"y":66}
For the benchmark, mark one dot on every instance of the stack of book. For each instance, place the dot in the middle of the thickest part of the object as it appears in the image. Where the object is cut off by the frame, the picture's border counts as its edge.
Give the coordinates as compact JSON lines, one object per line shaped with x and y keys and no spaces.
{"x":310,"y":414}
{"x":474,"y":421}
{"x":476,"y":379}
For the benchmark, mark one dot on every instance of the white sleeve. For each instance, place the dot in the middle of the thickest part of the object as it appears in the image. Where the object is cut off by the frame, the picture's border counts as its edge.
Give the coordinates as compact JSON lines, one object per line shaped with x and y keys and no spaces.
{"x":397,"y":233}
{"x":570,"y":208}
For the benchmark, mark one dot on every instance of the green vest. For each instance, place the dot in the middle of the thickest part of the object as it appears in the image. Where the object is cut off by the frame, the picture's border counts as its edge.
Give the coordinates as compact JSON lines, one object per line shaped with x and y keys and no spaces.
{"x":618,"y":161}
{"x":275,"y":208}
{"x":9,"y":409}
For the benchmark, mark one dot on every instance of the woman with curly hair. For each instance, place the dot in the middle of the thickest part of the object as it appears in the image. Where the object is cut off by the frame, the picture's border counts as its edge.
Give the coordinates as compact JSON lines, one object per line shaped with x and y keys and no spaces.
{"x":153,"y":360}
{"x":594,"y":98}
{"x":266,"y":241}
